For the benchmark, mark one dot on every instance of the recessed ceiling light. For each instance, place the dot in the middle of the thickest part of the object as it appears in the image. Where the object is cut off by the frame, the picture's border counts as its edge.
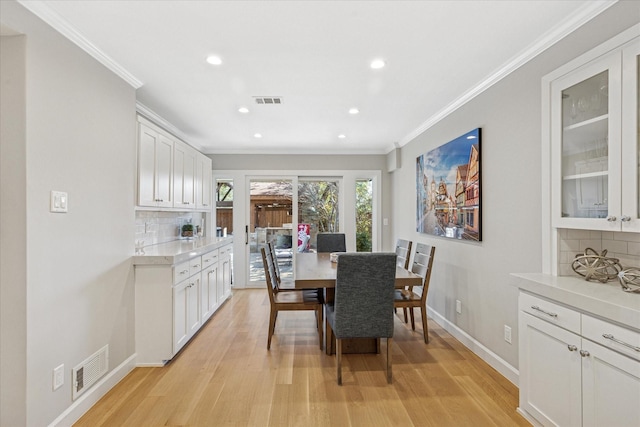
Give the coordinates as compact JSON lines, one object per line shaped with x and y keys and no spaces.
{"x":243,"y":110}
{"x":353,"y":111}
{"x":214,"y":60}
{"x":257,"y":135}
{"x":342,"y":136}
{"x":378,"y":63}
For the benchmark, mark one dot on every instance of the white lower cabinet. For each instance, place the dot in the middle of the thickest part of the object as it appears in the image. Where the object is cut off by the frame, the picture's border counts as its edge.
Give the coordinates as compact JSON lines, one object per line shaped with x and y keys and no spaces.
{"x":569,"y":380}
{"x":174,"y":301}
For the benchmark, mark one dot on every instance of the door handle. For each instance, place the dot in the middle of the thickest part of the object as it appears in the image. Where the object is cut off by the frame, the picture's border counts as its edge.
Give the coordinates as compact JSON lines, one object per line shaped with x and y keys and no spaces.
{"x":246,"y":234}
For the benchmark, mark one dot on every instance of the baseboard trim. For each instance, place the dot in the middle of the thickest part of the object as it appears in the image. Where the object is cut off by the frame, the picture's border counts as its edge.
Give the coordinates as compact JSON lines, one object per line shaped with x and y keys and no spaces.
{"x":495,"y":361}
{"x":95,"y":393}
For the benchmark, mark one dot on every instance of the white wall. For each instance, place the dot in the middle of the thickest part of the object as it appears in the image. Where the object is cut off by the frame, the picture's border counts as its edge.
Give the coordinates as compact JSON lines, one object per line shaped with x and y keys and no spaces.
{"x":76,"y":271}
{"x":509,"y":114}
{"x":13,"y":247}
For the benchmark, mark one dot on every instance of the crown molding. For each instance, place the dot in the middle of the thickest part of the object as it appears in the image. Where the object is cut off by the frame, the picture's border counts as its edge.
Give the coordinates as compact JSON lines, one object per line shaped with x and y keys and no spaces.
{"x":49,"y":16}
{"x":589,"y":11}
{"x":157,"y":119}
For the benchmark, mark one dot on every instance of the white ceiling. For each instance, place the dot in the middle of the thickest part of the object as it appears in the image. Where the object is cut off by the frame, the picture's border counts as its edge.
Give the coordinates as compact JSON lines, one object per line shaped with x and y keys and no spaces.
{"x":315,"y":55}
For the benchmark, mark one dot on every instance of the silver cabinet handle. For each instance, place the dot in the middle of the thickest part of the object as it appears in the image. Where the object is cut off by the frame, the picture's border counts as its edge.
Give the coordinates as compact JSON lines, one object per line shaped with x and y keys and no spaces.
{"x":184,"y":271}
{"x":612,"y":219}
{"x":612,"y":338}
{"x":536,"y":308}
{"x":625,"y":218}
{"x":207,"y":260}
{"x":196,"y":265}
{"x":584,"y":353}
{"x":572,"y":347}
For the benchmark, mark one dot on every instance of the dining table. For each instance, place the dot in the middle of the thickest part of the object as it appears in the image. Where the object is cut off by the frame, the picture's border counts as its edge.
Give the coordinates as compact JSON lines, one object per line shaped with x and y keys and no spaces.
{"x":318,"y":271}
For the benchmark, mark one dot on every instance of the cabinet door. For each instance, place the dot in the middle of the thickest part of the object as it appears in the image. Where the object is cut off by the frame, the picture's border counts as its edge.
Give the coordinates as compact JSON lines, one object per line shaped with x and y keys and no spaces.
{"x":550,"y":377}
{"x":147,"y":139}
{"x":203,"y":183}
{"x":180,"y":320}
{"x":208,"y":292}
{"x":164,"y":171}
{"x":193,"y":302}
{"x":586,"y":146}
{"x":631,"y":137}
{"x":184,"y":171}
{"x":611,"y":387}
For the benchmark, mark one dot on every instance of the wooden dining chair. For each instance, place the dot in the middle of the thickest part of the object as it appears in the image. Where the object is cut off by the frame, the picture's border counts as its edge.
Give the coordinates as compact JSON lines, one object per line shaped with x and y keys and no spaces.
{"x":331,"y":242}
{"x":283,"y":301}
{"x":403,"y":251}
{"x":284,"y":285}
{"x":363,"y":302}
{"x":406,"y":298}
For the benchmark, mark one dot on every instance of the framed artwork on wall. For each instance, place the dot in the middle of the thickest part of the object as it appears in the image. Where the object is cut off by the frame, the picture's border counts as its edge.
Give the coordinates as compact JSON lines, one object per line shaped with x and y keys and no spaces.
{"x":448,"y":189}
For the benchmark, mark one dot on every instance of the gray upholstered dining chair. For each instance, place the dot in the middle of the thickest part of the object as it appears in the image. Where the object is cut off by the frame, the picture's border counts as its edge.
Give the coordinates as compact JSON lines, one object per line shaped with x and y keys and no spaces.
{"x":331,"y":242}
{"x":293,"y":300}
{"x":363,"y":302}
{"x":406,"y":298}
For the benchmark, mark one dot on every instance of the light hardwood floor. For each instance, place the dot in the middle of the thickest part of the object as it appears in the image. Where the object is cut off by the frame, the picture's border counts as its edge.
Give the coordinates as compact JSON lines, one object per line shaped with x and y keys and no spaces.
{"x":226,"y":377}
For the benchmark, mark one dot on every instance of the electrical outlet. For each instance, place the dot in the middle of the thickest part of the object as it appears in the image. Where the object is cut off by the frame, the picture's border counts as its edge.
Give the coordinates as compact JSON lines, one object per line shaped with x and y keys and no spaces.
{"x":507,"y":334}
{"x":458,"y":306}
{"x":58,"y":377}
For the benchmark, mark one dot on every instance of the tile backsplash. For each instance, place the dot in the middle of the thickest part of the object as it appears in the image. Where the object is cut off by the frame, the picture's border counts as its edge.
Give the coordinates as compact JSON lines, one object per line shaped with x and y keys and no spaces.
{"x":162,"y":227}
{"x":624,"y":246}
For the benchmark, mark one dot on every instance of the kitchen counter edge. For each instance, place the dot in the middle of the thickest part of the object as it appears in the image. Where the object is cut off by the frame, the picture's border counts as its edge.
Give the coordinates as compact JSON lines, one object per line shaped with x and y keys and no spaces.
{"x":604,"y":300}
{"x":178,"y":251}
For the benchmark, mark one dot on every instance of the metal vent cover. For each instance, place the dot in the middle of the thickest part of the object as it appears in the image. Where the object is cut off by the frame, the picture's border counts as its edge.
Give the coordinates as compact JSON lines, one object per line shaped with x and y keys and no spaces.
{"x":90,"y":371}
{"x":268,"y":100}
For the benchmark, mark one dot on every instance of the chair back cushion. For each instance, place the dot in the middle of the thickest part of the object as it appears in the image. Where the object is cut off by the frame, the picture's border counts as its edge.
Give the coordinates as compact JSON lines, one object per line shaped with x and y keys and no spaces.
{"x":331,"y":242}
{"x":363,"y":304}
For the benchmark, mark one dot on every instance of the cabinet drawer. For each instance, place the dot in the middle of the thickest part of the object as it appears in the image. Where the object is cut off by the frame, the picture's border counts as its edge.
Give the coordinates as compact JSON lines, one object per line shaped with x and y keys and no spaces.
{"x":181,"y":272}
{"x":225,"y":251}
{"x":551,"y":312}
{"x":195,"y":265}
{"x":618,"y":338}
{"x":209,"y":259}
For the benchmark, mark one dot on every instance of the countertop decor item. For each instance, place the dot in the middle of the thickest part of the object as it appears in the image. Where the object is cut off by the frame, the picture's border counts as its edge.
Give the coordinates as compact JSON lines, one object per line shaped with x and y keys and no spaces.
{"x":630,"y":280}
{"x":188,"y":231}
{"x":596,"y":266}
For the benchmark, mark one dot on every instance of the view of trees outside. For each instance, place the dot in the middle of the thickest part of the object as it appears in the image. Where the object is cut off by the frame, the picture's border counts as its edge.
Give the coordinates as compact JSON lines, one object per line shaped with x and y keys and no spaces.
{"x":364,"y":207}
{"x":318,"y":205}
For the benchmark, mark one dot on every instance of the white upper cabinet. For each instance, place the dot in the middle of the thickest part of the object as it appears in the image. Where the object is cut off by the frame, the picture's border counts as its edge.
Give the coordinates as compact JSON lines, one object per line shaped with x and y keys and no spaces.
{"x":171,"y":173}
{"x":184,"y":176}
{"x":204,"y":176}
{"x":155,"y":168}
{"x":592,"y":134}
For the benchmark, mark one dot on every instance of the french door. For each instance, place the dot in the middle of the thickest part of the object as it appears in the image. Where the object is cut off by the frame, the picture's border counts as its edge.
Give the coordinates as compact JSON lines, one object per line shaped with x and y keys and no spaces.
{"x":288,"y":212}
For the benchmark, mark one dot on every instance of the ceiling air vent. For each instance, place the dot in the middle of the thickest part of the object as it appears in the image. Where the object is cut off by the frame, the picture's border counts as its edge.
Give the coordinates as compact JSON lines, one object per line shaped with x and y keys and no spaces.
{"x":268,"y":100}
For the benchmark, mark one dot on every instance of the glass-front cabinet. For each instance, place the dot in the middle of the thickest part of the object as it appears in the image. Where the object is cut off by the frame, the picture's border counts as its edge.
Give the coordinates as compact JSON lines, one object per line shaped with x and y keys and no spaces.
{"x":595,"y":164}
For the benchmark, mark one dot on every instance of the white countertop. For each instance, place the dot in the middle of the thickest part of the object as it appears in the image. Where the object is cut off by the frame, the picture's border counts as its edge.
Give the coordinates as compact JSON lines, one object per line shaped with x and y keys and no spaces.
{"x":605,"y":300}
{"x":179,"y":250}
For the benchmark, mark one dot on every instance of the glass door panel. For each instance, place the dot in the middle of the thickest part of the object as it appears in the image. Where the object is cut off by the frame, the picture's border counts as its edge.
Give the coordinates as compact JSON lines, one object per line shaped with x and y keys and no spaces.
{"x":364,"y":215}
{"x":585,"y":148}
{"x":270,"y":221}
{"x":318,"y":201}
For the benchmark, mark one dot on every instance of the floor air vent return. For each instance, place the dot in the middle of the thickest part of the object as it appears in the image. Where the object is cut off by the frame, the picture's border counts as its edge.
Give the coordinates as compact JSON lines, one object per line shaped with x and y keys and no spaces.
{"x":89,"y":371}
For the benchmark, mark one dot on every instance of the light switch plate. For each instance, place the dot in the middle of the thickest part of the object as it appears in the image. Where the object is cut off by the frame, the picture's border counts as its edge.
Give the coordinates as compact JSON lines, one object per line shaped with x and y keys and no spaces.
{"x":58,"y":377}
{"x":59,"y":201}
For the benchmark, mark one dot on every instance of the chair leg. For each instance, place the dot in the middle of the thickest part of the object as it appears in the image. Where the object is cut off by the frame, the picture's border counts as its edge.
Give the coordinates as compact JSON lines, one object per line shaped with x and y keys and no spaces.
{"x":406,"y":319}
{"x":272,"y":326}
{"x":424,"y":324}
{"x":413,"y":320}
{"x":339,"y":359}
{"x":389,"y":373}
{"x":319,"y":319}
{"x":328,"y":337}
